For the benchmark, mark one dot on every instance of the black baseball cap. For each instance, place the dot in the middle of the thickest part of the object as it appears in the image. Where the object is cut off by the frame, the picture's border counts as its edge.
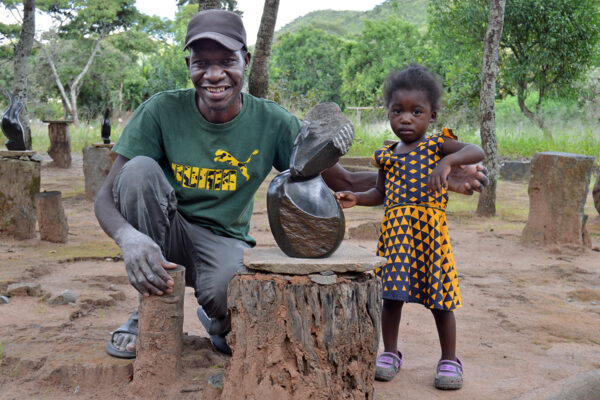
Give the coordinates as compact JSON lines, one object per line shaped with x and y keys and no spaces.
{"x":222,"y":26}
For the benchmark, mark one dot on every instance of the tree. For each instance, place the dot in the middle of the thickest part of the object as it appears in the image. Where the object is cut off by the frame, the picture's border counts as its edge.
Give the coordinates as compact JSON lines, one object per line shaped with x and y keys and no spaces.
{"x":306,"y":64}
{"x":21,"y":53}
{"x":547,"y":45}
{"x":486,"y":205}
{"x":90,"y":23}
{"x":382,"y":47}
{"x":258,"y":83}
{"x":230,"y":5}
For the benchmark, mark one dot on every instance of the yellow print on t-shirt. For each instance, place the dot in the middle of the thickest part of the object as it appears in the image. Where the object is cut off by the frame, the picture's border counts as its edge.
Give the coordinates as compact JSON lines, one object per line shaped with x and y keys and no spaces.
{"x":205,"y":178}
{"x":223,"y":156}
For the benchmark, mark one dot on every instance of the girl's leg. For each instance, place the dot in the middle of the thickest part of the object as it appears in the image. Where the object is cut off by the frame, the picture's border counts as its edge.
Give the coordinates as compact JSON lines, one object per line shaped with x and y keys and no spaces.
{"x":446,"y":327}
{"x":390,"y":324}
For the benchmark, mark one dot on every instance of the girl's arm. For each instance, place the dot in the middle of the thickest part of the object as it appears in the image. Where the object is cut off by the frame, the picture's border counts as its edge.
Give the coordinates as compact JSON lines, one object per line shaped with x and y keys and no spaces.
{"x":372,"y":197}
{"x":456,"y":153}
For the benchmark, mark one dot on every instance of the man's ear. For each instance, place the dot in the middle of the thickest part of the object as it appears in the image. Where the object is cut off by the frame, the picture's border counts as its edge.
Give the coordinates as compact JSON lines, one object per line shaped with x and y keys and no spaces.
{"x":187,"y":61}
{"x":247,"y":58}
{"x":433,"y":116}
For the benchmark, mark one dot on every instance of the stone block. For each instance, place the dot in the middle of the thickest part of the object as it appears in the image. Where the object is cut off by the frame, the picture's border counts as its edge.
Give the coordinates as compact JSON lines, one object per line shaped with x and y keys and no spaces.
{"x":24,"y":289}
{"x":558,"y":189}
{"x":97,"y":161}
{"x":515,"y":170}
{"x":19,"y":183}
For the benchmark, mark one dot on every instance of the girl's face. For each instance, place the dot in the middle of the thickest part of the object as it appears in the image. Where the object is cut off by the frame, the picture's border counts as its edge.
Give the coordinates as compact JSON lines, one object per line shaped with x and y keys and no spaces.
{"x":410,"y":114}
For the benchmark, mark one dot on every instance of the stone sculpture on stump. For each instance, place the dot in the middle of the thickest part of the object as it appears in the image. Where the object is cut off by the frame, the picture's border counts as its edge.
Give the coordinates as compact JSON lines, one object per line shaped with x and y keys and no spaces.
{"x":11,"y":125}
{"x":558,"y":189}
{"x":304,"y":216}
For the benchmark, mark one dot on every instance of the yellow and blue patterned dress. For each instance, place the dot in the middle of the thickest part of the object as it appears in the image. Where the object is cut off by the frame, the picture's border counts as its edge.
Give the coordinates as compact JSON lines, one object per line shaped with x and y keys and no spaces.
{"x":414,"y":234}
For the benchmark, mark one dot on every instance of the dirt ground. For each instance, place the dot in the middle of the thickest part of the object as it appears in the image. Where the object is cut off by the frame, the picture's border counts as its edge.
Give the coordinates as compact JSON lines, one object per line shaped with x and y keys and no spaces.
{"x":531,"y":316}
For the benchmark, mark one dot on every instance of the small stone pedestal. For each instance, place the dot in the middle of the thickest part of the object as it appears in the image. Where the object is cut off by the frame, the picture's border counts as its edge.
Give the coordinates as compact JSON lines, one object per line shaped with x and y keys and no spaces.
{"x":294,"y":338}
{"x":558,"y":189}
{"x":60,"y":143}
{"x":97,"y":161}
{"x":158,"y":362}
{"x":19,"y":183}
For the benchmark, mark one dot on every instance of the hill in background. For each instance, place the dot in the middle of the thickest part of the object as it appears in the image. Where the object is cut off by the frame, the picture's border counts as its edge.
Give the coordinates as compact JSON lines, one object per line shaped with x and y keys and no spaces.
{"x":350,"y":23}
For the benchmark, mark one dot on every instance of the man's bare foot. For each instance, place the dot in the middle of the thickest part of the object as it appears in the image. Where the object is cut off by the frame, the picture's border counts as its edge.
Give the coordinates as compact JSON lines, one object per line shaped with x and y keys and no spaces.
{"x":468,"y":178}
{"x":124,"y":341}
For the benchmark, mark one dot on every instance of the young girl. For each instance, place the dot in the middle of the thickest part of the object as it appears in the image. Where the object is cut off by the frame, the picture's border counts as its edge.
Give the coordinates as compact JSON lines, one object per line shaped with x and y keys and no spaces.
{"x":414,"y":235}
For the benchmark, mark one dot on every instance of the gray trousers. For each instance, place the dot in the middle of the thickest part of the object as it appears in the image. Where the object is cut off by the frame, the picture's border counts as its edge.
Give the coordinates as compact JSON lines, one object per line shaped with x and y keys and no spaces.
{"x":147,"y":201}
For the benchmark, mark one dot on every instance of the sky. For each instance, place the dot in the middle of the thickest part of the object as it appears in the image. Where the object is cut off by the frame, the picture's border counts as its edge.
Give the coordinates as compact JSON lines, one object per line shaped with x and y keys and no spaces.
{"x":252,"y":9}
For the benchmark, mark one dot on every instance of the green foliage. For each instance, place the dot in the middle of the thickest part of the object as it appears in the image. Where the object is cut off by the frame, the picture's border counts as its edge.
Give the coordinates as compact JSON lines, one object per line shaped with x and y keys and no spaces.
{"x":307,"y":63}
{"x":382,"y":47}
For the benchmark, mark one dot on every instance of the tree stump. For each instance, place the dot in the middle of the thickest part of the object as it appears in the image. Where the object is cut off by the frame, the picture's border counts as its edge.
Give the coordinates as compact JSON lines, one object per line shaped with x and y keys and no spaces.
{"x":51,"y":217}
{"x":295,"y":339}
{"x":558,"y":189}
{"x":19,"y":182}
{"x":158,"y":362}
{"x":60,"y":143}
{"x":97,"y":161}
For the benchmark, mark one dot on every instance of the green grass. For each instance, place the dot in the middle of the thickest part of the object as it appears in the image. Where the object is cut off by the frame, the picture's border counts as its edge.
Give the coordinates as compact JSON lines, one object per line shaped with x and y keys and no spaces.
{"x":81,"y":136}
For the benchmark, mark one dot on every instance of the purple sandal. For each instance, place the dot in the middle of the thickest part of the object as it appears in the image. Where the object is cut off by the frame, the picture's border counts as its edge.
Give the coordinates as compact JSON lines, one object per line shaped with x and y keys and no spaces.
{"x":449,"y":375}
{"x":387,"y":366}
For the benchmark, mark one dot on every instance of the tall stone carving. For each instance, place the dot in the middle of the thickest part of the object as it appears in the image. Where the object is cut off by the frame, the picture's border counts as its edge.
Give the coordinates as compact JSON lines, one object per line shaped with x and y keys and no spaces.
{"x":11,"y":125}
{"x":305,"y":219}
{"x":105,"y":130}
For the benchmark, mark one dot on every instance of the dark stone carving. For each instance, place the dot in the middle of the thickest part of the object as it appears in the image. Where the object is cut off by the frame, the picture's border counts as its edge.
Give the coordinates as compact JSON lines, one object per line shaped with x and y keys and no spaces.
{"x":325,"y":136}
{"x":304,"y":216}
{"x":11,"y":126}
{"x":105,"y":131}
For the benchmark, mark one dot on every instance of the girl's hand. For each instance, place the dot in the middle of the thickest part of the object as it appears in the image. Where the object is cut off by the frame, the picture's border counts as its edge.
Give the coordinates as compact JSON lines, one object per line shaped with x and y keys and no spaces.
{"x":346,"y":199}
{"x":437,"y":179}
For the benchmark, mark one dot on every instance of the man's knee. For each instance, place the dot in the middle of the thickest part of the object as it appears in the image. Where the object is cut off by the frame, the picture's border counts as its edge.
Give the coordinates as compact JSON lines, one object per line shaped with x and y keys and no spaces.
{"x":137,"y":168}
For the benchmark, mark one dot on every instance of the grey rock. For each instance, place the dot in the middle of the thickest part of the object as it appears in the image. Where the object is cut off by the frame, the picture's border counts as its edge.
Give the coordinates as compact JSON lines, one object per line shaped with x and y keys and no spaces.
{"x":323,"y":279}
{"x":325,"y":136}
{"x":4,"y":300}
{"x":558,"y":189}
{"x":113,"y":288}
{"x":347,"y":258}
{"x":515,"y":170}
{"x":24,"y":289}
{"x":66,"y":297}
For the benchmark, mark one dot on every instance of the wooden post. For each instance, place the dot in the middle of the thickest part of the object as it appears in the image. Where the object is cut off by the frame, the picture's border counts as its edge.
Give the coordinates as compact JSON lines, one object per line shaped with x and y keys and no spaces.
{"x":160,"y":341}
{"x":51,"y":217}
{"x":19,"y":182}
{"x":293,"y":338}
{"x":60,"y":143}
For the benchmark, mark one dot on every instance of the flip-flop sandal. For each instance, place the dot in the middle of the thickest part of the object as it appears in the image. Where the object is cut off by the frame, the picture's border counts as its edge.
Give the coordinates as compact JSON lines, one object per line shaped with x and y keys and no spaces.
{"x":449,"y":375}
{"x":218,"y":341}
{"x":387,"y":366}
{"x":131,"y":327}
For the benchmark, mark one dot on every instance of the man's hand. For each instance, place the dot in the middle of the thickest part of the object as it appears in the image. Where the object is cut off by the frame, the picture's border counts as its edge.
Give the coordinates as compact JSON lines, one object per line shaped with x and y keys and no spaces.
{"x":144,"y":263}
{"x":346,"y":199}
{"x":465,"y":179}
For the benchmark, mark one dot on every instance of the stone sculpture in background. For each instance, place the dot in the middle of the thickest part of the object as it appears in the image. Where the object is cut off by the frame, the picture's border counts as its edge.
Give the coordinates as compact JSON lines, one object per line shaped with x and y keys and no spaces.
{"x":11,"y":126}
{"x":304,"y":216}
{"x":105,"y":131}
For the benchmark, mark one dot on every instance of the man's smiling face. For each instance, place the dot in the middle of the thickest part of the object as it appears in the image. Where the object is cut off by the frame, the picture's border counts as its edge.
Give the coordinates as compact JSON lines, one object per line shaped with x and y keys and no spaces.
{"x":218,"y":76}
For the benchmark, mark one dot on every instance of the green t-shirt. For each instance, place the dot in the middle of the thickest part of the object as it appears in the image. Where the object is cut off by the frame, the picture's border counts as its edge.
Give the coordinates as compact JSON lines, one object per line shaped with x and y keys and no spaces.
{"x":215,"y":169}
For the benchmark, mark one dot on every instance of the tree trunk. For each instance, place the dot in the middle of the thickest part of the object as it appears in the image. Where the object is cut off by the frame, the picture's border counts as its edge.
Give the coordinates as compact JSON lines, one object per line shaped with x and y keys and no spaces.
{"x":258,"y":83}
{"x":536,"y":117}
{"x":60,"y":144}
{"x":20,"y":63}
{"x":487,"y":116}
{"x":209,"y":4}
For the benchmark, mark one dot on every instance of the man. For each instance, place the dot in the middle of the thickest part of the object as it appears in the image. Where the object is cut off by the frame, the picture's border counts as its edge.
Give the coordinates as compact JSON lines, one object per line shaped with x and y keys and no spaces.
{"x":189,"y":162}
